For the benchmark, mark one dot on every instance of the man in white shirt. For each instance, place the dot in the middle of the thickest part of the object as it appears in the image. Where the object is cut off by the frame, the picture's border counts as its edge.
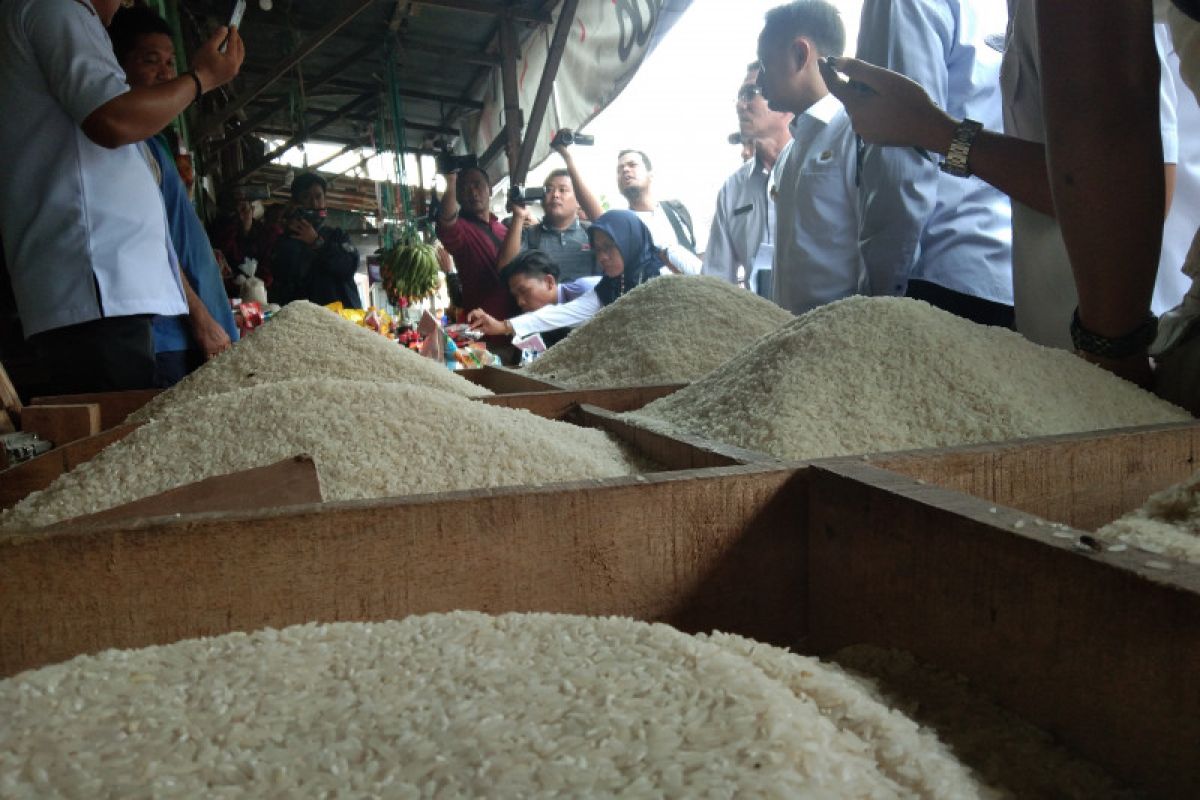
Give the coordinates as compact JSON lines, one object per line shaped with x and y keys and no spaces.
{"x":669,"y":222}
{"x":926,"y":232}
{"x":549,"y":307}
{"x":84,"y":228}
{"x":817,"y":259}
{"x":741,"y":242}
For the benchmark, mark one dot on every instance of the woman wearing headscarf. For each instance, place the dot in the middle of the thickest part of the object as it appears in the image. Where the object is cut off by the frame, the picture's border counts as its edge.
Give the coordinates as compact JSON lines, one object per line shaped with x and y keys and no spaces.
{"x":626,"y":256}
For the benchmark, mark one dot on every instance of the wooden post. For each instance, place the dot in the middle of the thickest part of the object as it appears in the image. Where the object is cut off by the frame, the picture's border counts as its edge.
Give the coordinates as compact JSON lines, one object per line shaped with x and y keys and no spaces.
{"x":513,"y":117}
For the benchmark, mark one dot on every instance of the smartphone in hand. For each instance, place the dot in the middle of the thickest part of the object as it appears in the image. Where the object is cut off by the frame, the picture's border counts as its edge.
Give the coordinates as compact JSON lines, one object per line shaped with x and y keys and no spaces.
{"x":235,"y":20}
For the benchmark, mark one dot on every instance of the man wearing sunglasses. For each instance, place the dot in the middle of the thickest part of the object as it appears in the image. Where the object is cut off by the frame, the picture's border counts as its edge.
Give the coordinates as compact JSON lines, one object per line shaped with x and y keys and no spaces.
{"x":741,"y":242}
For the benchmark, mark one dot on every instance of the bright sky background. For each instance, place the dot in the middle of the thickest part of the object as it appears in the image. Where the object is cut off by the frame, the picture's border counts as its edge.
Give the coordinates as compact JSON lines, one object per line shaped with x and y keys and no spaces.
{"x":679,"y":109}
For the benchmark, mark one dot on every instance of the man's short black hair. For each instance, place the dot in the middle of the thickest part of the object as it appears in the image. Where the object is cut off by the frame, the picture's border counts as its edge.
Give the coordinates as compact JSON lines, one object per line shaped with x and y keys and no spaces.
{"x":645,"y":158}
{"x":558,"y":173}
{"x":754,"y":66}
{"x":305,"y":181}
{"x":130,"y":24}
{"x":814,"y":19}
{"x":533,"y":263}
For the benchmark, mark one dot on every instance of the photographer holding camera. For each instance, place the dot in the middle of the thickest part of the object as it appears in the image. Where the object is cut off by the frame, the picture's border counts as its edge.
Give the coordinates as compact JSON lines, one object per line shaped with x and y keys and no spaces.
{"x":560,"y":234}
{"x":312,"y":261}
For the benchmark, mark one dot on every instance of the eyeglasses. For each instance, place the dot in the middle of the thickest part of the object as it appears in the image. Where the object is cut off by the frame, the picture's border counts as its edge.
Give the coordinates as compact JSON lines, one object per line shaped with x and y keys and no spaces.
{"x":748,"y":92}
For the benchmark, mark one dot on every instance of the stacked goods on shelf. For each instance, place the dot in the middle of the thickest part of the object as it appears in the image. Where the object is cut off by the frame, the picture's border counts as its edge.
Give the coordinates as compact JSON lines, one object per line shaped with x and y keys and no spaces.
{"x":467,"y":704}
{"x":305,"y":341}
{"x":872,"y":375}
{"x":367,"y":439}
{"x":672,"y":329}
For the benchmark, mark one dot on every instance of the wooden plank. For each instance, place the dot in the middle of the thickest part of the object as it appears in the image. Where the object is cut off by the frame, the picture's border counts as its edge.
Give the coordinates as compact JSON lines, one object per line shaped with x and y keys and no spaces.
{"x":715,"y":550}
{"x":1084,"y":480}
{"x":10,"y":401}
{"x":114,"y":406}
{"x":37,"y":473}
{"x":503,"y":380}
{"x":1100,"y":650}
{"x":557,"y":403}
{"x":671,"y":452}
{"x":60,"y":424}
{"x":290,"y":482}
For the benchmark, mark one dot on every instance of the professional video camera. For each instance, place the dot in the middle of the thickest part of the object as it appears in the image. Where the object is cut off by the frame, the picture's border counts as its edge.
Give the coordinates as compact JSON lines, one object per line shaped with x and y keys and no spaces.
{"x":521,"y":196}
{"x":566,"y":138}
{"x":448,"y":162}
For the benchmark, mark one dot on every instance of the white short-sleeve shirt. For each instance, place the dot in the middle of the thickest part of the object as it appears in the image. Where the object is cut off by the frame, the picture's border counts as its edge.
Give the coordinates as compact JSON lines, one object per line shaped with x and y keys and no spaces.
{"x":85,"y":231}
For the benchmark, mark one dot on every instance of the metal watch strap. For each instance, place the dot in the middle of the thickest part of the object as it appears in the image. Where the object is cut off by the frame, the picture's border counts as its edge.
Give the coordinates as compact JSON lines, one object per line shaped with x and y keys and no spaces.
{"x":960,"y":148}
{"x":1132,"y":343}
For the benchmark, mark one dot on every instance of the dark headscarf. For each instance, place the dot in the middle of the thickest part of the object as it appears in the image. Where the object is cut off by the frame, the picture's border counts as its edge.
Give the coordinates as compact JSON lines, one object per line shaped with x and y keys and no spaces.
{"x":637,"y":251}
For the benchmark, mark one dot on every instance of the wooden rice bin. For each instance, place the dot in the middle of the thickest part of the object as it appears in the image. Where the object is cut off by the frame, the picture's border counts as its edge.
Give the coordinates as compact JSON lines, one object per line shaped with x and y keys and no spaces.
{"x":1097,"y":647}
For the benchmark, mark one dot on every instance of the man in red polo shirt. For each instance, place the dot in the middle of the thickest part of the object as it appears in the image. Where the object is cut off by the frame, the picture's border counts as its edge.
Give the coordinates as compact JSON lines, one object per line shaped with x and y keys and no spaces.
{"x":473,"y":235}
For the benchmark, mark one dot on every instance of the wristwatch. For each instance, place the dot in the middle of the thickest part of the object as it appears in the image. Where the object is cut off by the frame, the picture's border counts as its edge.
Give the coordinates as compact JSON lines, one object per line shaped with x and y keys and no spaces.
{"x":960,"y":148}
{"x":1132,"y":343}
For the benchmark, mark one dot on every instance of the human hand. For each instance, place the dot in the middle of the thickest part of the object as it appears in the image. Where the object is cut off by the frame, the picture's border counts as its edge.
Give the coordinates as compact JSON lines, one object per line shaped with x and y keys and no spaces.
{"x":521,"y":215}
{"x":444,"y":259}
{"x":302,"y":229}
{"x":214,"y":68}
{"x":211,"y":337}
{"x":886,"y":108}
{"x":480,"y":320}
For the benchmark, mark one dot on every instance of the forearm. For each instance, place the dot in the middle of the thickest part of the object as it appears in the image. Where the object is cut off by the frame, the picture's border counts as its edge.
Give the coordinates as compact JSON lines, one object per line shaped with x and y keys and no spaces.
{"x":587,"y":200}
{"x":512,"y":244}
{"x":449,"y":211}
{"x":1106,"y":179}
{"x":139,"y":113}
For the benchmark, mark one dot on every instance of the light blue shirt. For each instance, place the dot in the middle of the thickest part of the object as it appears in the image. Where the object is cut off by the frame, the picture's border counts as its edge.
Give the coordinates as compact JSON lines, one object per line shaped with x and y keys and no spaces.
{"x":917,"y":221}
{"x":744,"y":222}
{"x":84,"y":229}
{"x":195,"y":254}
{"x":816,"y":248}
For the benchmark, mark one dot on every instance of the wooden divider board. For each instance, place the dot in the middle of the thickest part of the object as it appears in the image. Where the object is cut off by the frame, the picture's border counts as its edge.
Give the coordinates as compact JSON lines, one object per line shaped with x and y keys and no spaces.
{"x":1085,"y":480}
{"x":20,"y":480}
{"x":1099,"y":649}
{"x":504,"y":380}
{"x":715,"y":549}
{"x":59,"y":424}
{"x":555,"y":404}
{"x":114,"y":406}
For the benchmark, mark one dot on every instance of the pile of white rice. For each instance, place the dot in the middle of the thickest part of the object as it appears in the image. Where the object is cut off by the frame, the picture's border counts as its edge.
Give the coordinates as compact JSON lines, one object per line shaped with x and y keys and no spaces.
{"x":869,"y":375}
{"x":307,"y":341}
{"x":368,"y":440}
{"x":462,"y":704}
{"x":1006,"y":751}
{"x":668,"y":330}
{"x":1168,"y":524}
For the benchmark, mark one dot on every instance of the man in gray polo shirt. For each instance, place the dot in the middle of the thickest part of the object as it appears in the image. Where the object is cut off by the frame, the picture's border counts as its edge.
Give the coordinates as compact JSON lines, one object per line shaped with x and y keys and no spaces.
{"x":560,"y":234}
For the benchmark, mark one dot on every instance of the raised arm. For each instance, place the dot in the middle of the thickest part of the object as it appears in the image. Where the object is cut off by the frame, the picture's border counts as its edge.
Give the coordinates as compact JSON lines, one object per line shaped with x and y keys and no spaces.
{"x":587,"y":201}
{"x":140,"y":113}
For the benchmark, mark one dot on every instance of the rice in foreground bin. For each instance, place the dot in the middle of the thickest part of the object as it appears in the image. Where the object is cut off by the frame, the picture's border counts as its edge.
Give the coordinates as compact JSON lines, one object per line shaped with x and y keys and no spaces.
{"x":464,"y":704}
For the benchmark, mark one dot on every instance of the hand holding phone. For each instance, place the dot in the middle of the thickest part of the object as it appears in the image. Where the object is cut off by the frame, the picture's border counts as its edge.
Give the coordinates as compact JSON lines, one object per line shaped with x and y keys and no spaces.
{"x":235,"y":20}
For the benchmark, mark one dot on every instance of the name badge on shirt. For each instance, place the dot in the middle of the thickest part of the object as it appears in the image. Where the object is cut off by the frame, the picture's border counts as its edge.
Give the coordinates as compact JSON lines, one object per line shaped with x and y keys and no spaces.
{"x":746,"y":209}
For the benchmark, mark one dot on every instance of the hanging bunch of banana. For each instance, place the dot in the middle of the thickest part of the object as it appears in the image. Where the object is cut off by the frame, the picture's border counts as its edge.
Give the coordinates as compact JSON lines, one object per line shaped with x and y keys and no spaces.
{"x":409,"y":269}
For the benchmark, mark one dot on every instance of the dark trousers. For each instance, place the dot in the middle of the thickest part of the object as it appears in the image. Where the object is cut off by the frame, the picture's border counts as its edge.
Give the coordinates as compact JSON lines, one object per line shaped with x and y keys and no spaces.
{"x":976,"y":309}
{"x":105,"y":355}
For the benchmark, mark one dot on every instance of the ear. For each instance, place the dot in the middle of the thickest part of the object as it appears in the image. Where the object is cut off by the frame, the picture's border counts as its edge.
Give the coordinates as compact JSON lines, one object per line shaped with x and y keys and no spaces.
{"x":802,"y":49}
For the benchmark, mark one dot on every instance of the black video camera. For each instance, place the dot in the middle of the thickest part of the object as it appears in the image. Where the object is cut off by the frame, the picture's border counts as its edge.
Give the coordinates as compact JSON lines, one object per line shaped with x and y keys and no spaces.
{"x":566,"y":138}
{"x":448,"y":163}
{"x":522,"y":196}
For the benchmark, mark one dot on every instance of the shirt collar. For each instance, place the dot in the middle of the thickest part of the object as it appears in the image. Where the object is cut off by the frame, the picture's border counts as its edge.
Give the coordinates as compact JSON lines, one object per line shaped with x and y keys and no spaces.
{"x":823,"y":111}
{"x":572,"y":227}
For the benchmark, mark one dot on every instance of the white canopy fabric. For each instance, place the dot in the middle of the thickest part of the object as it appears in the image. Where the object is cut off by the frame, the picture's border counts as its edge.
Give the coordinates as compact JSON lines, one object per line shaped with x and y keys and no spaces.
{"x":609,"y":40}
